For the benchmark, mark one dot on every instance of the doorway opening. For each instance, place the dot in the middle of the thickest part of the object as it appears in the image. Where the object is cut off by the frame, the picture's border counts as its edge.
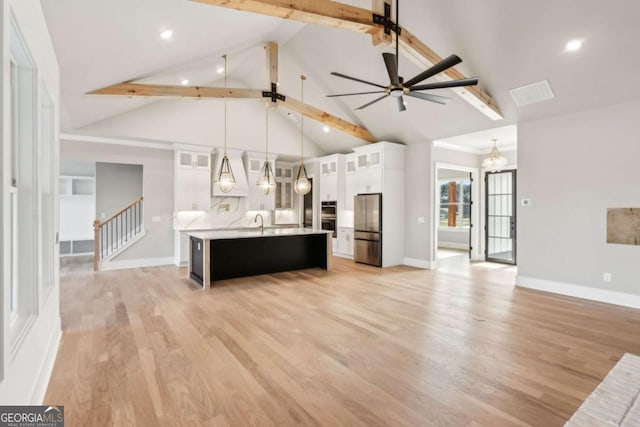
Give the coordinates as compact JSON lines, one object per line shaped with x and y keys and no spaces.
{"x":456,"y":214}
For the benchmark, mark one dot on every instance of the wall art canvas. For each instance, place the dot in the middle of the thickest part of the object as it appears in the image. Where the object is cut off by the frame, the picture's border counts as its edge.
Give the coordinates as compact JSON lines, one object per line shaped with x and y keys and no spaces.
{"x":623,"y":226}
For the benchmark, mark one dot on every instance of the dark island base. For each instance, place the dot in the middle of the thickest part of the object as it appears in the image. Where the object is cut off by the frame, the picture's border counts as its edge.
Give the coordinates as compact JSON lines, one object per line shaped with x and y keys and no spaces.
{"x":232,"y":258}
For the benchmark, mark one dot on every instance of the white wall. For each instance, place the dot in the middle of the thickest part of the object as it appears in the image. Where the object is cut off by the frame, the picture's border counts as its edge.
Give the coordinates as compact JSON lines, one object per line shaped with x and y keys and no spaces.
{"x":418,"y":204}
{"x":201,"y":122}
{"x":117,"y":186}
{"x":27,"y":360}
{"x":157,"y":184}
{"x":574,"y":167}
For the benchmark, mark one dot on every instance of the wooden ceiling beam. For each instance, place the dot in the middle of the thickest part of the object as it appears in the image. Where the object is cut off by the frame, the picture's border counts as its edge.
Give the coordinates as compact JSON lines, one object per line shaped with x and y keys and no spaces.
{"x":339,"y":15}
{"x":328,"y":119}
{"x":152,"y":90}
{"x":169,"y":91}
{"x":271,"y":50}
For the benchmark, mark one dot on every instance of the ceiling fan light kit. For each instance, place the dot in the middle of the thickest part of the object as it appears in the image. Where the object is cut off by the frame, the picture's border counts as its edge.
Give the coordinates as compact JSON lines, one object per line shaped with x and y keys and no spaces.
{"x":225,"y":180}
{"x":397,"y":87}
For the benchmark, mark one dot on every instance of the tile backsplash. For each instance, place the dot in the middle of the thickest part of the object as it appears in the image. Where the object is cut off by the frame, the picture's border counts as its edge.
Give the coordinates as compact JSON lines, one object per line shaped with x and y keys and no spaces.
{"x":229,"y":212}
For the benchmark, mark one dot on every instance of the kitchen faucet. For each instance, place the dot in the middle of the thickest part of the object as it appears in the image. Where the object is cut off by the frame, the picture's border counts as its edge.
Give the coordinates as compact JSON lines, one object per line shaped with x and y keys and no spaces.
{"x":261,"y":222}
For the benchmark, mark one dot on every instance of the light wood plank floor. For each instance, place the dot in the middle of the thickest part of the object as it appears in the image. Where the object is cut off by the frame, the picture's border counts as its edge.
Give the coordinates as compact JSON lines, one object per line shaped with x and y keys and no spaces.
{"x":354,"y":346}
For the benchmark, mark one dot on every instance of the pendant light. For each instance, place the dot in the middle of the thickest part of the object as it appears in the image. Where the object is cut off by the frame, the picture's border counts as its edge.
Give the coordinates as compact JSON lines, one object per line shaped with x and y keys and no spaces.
{"x":225,"y":180}
{"x":302,"y":185}
{"x":496,"y":161}
{"x":267,"y":181}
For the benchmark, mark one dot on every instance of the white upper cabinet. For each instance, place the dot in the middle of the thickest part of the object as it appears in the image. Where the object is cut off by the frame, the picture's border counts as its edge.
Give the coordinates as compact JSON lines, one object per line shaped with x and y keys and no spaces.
{"x":258,"y":201}
{"x":350,"y":180}
{"x":284,"y":186}
{"x":332,"y":172}
{"x":192,"y":181}
{"x":190,"y":160}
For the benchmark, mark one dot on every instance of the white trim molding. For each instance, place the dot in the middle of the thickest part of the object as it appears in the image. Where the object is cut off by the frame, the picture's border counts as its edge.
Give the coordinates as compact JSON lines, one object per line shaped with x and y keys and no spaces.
{"x":578,"y":291}
{"x":137,"y":263}
{"x":42,"y":383}
{"x":453,"y":245}
{"x":418,"y":263}
{"x":471,"y":150}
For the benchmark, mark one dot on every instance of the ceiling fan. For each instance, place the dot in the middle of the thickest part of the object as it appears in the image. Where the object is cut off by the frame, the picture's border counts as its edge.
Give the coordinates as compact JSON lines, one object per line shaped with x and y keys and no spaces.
{"x":397,"y":87}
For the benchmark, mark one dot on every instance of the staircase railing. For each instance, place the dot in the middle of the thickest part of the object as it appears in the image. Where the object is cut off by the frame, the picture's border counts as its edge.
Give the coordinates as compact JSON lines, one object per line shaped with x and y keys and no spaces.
{"x":116,"y":231}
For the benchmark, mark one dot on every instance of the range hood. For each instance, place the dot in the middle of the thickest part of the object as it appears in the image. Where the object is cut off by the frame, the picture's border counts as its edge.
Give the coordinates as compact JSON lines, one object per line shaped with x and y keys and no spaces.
{"x":241,"y":188}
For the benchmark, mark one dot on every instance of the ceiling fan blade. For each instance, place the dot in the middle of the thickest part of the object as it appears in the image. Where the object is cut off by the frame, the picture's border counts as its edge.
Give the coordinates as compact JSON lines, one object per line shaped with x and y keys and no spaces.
{"x":392,"y":67}
{"x":372,"y":102}
{"x":447,"y":62}
{"x":428,"y":97}
{"x":344,"y":76}
{"x":355,"y":93}
{"x":401,"y":106}
{"x":442,"y":85}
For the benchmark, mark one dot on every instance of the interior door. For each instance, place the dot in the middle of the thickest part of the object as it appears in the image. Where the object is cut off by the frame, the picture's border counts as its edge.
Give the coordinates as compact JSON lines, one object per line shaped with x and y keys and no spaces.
{"x":500,"y":219}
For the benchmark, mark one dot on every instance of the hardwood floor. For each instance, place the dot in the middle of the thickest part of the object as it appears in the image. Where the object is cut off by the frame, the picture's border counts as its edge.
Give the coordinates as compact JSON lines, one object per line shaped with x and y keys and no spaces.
{"x":355,"y":346}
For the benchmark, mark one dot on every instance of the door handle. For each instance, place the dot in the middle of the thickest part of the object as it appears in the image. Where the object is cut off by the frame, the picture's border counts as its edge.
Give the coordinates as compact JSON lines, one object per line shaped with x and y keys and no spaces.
{"x":512,"y":227}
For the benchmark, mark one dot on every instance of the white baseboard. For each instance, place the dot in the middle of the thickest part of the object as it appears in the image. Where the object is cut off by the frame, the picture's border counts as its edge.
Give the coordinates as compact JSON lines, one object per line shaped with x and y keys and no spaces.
{"x":342,"y":255}
{"x":584,"y":292}
{"x":452,"y":245}
{"x":418,"y":263}
{"x":37,"y":397}
{"x":137,"y":263}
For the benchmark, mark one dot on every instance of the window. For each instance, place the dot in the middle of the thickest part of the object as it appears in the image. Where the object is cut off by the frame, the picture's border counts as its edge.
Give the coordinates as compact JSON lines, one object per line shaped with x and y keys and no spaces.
{"x":46,"y":144}
{"x":24,"y":187}
{"x":455,"y":203}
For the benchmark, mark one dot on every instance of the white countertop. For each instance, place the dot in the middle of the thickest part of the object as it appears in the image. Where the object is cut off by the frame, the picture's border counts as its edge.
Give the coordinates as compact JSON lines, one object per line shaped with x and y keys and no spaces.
{"x":243,"y":234}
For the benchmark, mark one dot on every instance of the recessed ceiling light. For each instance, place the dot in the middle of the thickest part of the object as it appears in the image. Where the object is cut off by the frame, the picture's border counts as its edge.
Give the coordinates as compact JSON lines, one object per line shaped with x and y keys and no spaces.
{"x":184,"y":82}
{"x":326,"y":129}
{"x":166,"y":34}
{"x":573,"y":45}
{"x":220,"y":70}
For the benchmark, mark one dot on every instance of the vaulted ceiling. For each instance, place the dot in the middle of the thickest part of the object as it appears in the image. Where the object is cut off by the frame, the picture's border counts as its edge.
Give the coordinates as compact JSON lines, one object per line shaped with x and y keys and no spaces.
{"x":507,"y":44}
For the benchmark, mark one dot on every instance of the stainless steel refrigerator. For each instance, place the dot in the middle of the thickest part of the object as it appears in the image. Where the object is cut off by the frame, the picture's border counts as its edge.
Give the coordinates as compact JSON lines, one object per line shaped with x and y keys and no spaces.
{"x":367,"y":222}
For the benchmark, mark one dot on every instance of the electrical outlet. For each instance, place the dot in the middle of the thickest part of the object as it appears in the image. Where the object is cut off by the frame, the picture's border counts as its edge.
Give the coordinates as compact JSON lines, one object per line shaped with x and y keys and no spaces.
{"x":527,"y":202}
{"x":606,"y":277}
{"x":156,"y":219}
{"x":421,"y":220}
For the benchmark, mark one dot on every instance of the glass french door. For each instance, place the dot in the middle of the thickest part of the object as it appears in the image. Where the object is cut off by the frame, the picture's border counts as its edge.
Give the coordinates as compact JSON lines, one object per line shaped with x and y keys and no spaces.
{"x":500,"y":218}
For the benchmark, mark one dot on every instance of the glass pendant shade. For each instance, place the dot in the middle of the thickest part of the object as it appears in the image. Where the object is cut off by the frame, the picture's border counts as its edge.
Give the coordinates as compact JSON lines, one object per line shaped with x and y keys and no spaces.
{"x":302,"y":185}
{"x":496,"y":161}
{"x":267,"y":180}
{"x":226,"y":181}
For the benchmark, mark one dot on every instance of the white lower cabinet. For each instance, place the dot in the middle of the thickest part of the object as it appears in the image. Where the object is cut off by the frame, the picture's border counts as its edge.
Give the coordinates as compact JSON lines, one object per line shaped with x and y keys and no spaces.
{"x":345,"y":242}
{"x":181,"y":248}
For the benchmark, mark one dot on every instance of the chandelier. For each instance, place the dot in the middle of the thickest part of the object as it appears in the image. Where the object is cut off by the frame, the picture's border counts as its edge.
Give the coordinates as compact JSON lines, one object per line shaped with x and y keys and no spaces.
{"x":496,"y":161}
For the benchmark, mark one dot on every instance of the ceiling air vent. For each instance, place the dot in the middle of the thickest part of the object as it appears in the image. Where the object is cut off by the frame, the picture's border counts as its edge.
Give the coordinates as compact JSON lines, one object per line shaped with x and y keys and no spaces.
{"x":530,"y":94}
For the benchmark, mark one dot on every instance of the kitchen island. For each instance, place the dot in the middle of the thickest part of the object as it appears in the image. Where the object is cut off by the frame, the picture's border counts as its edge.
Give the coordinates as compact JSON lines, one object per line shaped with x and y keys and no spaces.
{"x":225,"y":254}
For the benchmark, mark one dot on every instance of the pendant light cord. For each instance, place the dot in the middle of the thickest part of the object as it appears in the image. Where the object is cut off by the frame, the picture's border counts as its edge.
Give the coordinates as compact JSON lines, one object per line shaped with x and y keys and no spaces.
{"x":266,"y":154}
{"x":225,"y":104}
{"x":302,"y":79}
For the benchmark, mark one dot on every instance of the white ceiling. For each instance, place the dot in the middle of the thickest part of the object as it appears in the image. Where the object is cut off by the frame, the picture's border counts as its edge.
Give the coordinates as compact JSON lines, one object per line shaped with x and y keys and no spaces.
{"x":482,"y":141}
{"x":507,"y":44}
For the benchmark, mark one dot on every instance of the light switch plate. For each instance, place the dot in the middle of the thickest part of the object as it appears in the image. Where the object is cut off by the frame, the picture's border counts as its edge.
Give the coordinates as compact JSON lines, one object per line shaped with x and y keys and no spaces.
{"x":421,"y":220}
{"x":156,"y":219}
